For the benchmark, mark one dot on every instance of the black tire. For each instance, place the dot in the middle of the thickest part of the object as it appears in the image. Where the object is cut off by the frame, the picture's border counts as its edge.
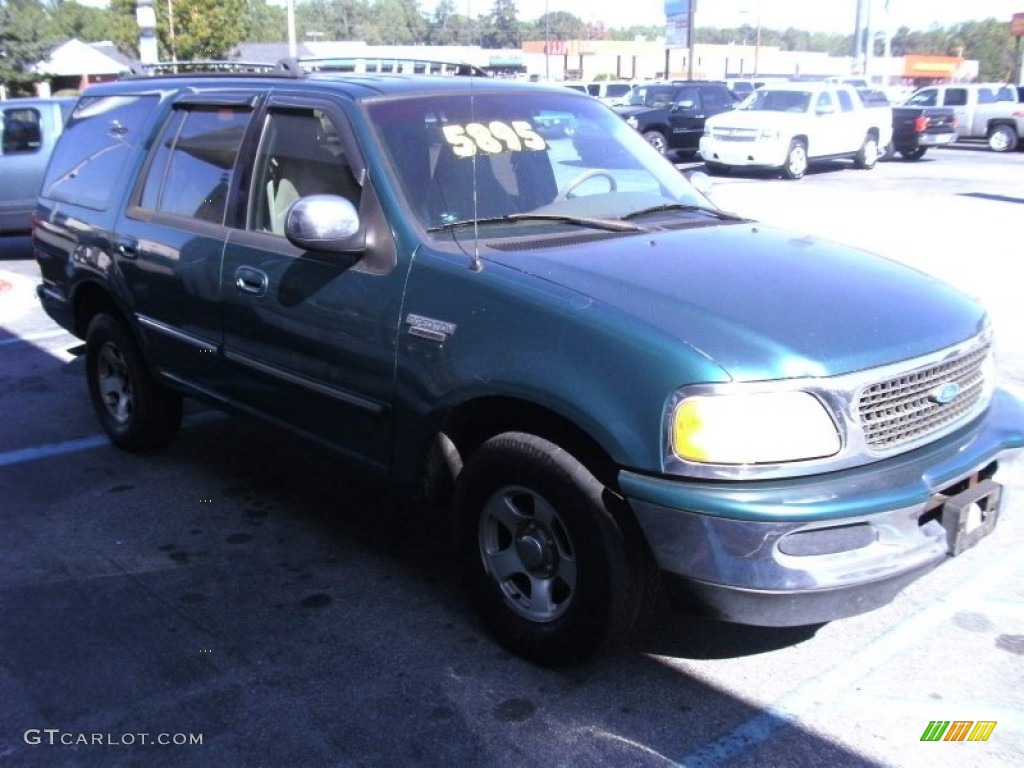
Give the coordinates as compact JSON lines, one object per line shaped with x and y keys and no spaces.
{"x":716,"y":169}
{"x":1002,"y":138}
{"x":136,"y":412}
{"x":867,"y":155}
{"x":913,"y":154}
{"x":571,"y":585}
{"x":887,"y":153}
{"x":657,"y":139}
{"x":796,"y":160}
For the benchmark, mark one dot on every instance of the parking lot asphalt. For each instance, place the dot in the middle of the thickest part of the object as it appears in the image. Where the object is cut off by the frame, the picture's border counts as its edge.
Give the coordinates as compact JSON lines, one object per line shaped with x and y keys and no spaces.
{"x":247,"y":600}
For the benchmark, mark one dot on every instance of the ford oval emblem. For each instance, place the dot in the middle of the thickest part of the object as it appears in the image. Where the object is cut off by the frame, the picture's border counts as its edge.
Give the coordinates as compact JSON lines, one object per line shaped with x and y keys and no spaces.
{"x":944,"y":393}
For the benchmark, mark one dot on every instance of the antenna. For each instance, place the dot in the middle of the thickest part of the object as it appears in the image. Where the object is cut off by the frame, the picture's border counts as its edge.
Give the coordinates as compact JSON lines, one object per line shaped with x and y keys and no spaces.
{"x":475,"y":263}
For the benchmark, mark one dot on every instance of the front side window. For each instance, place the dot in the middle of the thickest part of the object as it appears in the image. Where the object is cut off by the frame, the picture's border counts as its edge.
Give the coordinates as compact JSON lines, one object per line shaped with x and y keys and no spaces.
{"x":845,"y":102}
{"x":300,"y":154}
{"x":824,"y":102}
{"x":190,"y":170}
{"x":20,"y":131}
{"x":99,"y":138}
{"x":479,"y":155}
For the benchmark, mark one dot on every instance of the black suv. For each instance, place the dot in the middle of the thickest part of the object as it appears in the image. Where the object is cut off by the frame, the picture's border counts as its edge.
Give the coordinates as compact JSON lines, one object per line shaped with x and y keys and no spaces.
{"x":672,"y":115}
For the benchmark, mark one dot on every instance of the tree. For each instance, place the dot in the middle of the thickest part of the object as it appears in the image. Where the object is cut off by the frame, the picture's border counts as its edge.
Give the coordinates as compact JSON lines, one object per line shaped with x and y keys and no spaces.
{"x":25,"y":39}
{"x":501,"y":27}
{"x":395,"y":22}
{"x":267,"y":23}
{"x":448,"y":27}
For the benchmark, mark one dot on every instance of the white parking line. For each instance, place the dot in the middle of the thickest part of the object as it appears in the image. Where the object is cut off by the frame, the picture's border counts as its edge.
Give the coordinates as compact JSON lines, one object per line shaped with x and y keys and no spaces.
{"x":30,"y":337}
{"x":34,"y":453}
{"x":806,"y":697}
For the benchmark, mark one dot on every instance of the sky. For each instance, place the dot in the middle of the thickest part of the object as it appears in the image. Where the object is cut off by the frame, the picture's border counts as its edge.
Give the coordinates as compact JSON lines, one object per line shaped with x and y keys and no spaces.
{"x":813,"y":15}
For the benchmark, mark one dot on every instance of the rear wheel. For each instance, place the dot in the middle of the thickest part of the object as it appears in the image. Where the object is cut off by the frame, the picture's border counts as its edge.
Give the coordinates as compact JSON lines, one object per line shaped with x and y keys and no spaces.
{"x":136,"y":412}
{"x":913,"y":154}
{"x":548,"y":565}
{"x":1002,"y":138}
{"x":796,"y":160}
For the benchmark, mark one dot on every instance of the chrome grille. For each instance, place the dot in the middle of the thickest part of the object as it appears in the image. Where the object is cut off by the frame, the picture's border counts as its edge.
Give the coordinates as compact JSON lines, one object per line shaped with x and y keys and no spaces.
{"x":734,"y":134}
{"x":909,"y":407}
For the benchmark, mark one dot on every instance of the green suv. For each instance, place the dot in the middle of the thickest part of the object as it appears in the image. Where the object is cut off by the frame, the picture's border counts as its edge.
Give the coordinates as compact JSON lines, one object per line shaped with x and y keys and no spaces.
{"x":612,"y":383}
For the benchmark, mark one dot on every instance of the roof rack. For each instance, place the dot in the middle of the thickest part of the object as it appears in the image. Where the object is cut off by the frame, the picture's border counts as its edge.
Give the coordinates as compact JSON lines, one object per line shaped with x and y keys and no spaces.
{"x":383,"y":64}
{"x":297,"y":68}
{"x":210,"y":67}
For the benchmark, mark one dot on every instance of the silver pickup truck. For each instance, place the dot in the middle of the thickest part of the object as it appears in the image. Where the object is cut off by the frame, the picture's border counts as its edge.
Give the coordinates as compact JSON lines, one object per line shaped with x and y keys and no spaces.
{"x":28,"y":132}
{"x":989,"y":111}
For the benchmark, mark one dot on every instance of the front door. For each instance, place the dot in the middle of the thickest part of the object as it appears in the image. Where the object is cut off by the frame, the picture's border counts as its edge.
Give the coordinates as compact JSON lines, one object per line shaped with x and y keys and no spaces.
{"x":311,"y":336}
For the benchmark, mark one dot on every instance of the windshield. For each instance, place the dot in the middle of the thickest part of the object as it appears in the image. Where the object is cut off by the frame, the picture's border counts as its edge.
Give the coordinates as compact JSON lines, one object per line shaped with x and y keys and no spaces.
{"x":777,"y":101}
{"x":484,"y":155}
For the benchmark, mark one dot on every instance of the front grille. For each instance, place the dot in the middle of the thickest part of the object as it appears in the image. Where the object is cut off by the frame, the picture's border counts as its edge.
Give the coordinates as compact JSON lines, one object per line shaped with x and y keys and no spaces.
{"x":908,"y":408}
{"x":734,"y":134}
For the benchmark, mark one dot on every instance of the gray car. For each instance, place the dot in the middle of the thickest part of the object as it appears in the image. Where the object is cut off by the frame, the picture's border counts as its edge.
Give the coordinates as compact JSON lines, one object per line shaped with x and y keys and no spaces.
{"x":28,"y":132}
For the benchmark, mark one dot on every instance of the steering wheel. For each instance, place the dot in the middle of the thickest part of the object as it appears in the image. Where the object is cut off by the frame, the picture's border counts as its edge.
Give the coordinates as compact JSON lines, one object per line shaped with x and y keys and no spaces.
{"x":588,"y":174}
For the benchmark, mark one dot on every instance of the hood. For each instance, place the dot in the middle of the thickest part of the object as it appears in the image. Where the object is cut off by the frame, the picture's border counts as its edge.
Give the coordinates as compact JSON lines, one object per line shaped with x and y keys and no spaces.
{"x":627,"y":111}
{"x":764,"y":303}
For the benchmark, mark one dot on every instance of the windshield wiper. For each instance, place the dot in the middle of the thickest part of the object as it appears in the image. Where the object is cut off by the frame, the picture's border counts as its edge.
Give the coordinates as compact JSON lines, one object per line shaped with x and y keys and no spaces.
{"x":611,"y":225}
{"x":683,"y":207}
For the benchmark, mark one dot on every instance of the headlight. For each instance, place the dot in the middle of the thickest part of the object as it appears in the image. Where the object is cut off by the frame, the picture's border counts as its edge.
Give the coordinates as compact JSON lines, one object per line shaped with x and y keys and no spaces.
{"x":632,"y":122}
{"x":754,"y":428}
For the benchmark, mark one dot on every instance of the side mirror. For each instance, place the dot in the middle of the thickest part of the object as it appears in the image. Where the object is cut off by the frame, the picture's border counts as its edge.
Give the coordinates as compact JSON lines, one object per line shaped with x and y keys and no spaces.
{"x":324,"y":223}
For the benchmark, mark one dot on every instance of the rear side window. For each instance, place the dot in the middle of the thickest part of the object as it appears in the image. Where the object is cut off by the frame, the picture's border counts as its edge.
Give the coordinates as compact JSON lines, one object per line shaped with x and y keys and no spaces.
{"x":98,"y":140}
{"x":20,"y":132}
{"x":190,"y":171}
{"x":955,"y":97}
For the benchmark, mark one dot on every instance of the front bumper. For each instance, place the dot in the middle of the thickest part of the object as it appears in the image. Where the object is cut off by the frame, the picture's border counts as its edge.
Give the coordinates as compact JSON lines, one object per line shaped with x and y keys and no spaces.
{"x":759,"y":153}
{"x":813,"y":549}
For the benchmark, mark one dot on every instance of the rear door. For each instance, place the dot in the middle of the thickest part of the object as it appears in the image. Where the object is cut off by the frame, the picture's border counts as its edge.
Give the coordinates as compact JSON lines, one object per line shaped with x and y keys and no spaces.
{"x":170,"y":241}
{"x":311,"y":337}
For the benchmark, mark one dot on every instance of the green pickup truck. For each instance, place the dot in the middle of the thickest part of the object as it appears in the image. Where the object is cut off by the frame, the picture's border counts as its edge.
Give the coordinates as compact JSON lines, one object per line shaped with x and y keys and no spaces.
{"x":612,"y":384}
{"x":28,"y":133}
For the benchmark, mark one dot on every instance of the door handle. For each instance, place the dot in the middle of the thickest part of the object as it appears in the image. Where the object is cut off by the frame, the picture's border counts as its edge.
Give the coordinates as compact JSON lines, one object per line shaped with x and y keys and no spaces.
{"x":251,"y":280}
{"x":128,"y":247}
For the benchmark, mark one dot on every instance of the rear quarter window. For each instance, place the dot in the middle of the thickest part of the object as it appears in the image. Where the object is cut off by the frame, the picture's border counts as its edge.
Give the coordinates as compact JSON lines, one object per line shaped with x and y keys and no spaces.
{"x":99,"y":138}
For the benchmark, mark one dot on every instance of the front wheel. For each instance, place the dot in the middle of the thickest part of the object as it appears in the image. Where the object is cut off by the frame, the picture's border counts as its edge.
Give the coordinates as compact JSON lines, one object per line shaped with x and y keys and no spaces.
{"x":547,"y":564}
{"x":796,"y":160}
{"x":867,"y":156}
{"x":1002,"y":139}
{"x":657,"y":140}
{"x":136,"y":412}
